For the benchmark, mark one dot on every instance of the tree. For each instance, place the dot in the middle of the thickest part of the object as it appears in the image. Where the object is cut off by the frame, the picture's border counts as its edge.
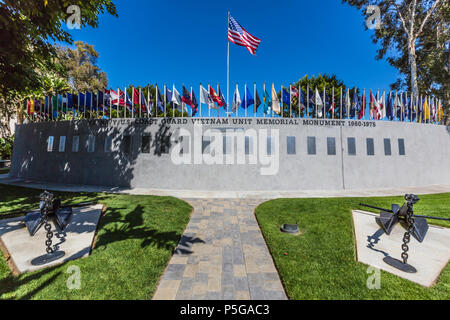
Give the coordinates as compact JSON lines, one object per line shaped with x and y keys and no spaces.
{"x":321,"y":82}
{"x":80,"y":67}
{"x":412,"y":28}
{"x":27,"y":26}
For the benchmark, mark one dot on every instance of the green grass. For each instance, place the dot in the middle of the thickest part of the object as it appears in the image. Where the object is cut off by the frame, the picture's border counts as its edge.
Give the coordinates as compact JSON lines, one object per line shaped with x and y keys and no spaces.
{"x":320,"y":263}
{"x":136,"y":239}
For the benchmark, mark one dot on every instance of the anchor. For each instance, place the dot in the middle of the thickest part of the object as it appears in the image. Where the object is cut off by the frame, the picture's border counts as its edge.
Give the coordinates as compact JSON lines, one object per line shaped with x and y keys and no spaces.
{"x":50,"y":210}
{"x":416,"y":225}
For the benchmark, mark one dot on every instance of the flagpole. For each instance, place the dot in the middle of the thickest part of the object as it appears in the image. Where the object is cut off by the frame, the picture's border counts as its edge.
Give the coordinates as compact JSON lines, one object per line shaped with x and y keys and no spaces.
{"x":299,"y":100}
{"x":246,"y":102}
{"x":192,"y":111}
{"x":98,"y":113}
{"x":332,"y":103}
{"x":290,"y":101}
{"x":281,"y":102}
{"x":317,"y":112}
{"x":307,"y":101}
{"x":218,"y":107}
{"x":341,"y":109}
{"x":237,"y":107}
{"x":254,"y":102}
{"x":165,"y":101}
{"x":264,"y":98}
{"x":209,"y":107}
{"x":228,"y":69}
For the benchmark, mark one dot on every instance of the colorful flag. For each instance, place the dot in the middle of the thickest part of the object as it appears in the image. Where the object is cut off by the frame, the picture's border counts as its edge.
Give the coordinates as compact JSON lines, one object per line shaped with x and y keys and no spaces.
{"x":159,"y":100}
{"x":389,"y":107}
{"x":236,"y":100}
{"x":405,"y":107}
{"x":88,"y":103}
{"x":275,"y":101}
{"x":248,"y":99}
{"x":222,"y":98}
{"x":426,"y":109}
{"x":420,"y":111}
{"x":355,"y":106}
{"x":257,"y":100}
{"x":215,"y":97}
{"x":294,"y":91}
{"x":286,"y":98}
{"x":302,"y":100}
{"x":267,"y":102}
{"x":135,"y":96}
{"x":318,"y":103}
{"x":176,"y":98}
{"x":168,"y":93}
{"x":241,"y":37}
{"x":441,"y":110}
{"x":194,"y":105}
{"x":186,"y":97}
{"x":376,"y":111}
{"x":433,"y":109}
{"x":205,"y":98}
{"x":144,"y":103}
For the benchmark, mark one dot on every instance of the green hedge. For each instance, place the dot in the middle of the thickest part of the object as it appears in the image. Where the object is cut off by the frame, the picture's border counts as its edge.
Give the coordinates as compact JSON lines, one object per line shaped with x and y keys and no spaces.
{"x":6,"y":145}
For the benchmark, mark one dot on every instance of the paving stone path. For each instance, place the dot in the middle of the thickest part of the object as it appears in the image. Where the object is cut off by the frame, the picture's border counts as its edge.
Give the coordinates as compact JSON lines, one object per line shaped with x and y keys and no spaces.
{"x":221,"y":255}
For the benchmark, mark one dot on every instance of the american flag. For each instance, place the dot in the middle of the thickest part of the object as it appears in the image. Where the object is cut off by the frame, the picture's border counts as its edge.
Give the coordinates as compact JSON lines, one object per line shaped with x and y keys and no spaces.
{"x":241,"y":37}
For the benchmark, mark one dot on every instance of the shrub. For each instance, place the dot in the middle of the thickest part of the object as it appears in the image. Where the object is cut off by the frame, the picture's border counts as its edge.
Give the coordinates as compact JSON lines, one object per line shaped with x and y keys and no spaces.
{"x":6,"y":145}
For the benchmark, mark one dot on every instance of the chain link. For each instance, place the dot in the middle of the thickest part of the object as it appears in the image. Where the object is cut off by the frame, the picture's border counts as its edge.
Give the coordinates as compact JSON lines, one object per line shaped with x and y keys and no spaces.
{"x":407,"y":237}
{"x":48,"y":228}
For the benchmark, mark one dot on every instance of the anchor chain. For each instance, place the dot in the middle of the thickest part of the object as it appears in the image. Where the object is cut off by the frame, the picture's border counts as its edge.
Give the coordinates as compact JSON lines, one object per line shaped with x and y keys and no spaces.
{"x":48,"y":228}
{"x":407,"y":236}
{"x":48,"y":242}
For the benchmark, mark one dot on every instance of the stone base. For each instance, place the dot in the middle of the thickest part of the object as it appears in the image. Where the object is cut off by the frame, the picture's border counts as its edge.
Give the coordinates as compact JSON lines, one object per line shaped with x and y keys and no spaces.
{"x":75,"y":241}
{"x":373,"y":245}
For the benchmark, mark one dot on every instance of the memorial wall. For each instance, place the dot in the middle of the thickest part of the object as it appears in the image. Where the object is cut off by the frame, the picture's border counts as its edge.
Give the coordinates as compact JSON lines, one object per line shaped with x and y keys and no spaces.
{"x":233,"y":154}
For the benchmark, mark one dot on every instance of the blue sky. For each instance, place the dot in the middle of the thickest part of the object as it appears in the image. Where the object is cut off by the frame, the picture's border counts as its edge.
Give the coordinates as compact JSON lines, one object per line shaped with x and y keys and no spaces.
{"x":185,"y":42}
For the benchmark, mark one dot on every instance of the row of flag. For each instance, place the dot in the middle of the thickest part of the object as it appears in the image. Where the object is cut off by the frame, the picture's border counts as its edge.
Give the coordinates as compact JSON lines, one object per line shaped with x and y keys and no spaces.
{"x":290,"y":101}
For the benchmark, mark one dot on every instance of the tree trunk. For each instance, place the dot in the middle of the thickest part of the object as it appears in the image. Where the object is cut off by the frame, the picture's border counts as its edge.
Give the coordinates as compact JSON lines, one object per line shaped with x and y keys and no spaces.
{"x":413,"y":66}
{"x":19,"y":114}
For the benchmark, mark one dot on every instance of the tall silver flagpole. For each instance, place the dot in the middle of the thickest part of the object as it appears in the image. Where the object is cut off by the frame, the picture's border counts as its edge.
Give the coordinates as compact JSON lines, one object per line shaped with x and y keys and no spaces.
{"x":132,"y":103}
{"x":218,"y":107}
{"x":165,"y":101}
{"x":125,"y":102}
{"x":237,"y":107}
{"x":245,"y":97}
{"x":324,"y":101}
{"x":191,"y":104}
{"x":332,"y":104}
{"x":281,"y":101}
{"x":290,"y":101}
{"x":307,"y":101}
{"x":209,"y":107}
{"x":200,"y":97}
{"x":264,"y":98}
{"x":254,"y":104}
{"x":228,"y":68}
{"x":140,"y":102}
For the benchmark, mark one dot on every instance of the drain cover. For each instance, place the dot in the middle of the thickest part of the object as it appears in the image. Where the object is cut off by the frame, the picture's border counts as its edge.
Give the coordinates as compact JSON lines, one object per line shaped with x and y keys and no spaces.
{"x":289,"y":228}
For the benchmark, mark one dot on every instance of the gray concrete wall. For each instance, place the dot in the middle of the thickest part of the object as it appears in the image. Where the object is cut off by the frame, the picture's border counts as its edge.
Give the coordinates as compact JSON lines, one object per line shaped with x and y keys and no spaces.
{"x":426,"y":162}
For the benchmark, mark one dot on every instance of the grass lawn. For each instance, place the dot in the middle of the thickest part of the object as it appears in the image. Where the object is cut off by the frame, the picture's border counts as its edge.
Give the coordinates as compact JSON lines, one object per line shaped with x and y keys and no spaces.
{"x":320,"y":263}
{"x":136,"y":239}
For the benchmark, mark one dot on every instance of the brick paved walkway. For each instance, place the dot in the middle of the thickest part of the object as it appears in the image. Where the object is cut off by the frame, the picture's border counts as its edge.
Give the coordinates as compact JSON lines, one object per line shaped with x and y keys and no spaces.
{"x":222,"y":255}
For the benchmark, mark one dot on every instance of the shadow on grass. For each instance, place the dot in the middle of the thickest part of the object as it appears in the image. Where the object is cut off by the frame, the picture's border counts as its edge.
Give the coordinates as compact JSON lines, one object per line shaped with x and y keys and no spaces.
{"x":11,"y":283}
{"x":132,"y":227}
